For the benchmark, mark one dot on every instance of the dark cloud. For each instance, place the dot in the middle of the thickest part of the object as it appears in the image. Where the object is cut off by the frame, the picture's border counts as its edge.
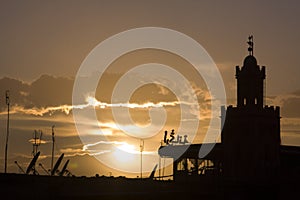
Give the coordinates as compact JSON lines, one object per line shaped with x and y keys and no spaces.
{"x":17,"y":91}
{"x":43,"y":92}
{"x":51,"y":91}
{"x":48,"y":90}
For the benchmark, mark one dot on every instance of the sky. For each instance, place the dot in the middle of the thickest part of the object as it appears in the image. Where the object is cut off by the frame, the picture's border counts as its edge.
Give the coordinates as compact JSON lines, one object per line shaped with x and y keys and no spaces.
{"x":45,"y":43}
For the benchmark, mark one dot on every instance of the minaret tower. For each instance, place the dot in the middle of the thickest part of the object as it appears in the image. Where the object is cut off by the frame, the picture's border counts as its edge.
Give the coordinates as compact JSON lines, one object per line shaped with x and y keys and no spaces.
{"x":250,"y":81}
{"x":251,"y":131}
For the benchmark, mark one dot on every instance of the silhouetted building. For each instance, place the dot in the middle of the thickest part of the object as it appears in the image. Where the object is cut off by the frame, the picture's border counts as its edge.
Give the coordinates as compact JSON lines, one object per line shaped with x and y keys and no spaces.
{"x":250,"y":148}
{"x":250,"y":159}
{"x":251,"y":132}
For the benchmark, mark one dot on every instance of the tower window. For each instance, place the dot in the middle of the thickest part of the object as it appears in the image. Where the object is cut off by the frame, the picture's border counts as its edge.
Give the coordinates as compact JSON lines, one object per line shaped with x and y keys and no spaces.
{"x":245,"y":101}
{"x":255,"y":101}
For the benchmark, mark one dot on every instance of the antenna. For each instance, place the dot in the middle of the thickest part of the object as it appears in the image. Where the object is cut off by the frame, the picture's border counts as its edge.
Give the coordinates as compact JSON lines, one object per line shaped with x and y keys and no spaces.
{"x":64,"y":168}
{"x":251,"y":44}
{"x":53,"y":140}
{"x":153,"y":172}
{"x":57,"y":164}
{"x":41,"y":165}
{"x":7,"y":129}
{"x":31,"y":166}
{"x":37,"y":138}
{"x":20,"y":168}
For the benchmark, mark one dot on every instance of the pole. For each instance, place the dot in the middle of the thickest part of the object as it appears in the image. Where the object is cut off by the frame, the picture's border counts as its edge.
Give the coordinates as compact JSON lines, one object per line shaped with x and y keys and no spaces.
{"x":159,"y":163}
{"x":163,"y":169}
{"x":52,"y":148}
{"x":7,"y":130}
{"x":34,"y":142}
{"x":142,"y":148}
{"x":159,"y":166}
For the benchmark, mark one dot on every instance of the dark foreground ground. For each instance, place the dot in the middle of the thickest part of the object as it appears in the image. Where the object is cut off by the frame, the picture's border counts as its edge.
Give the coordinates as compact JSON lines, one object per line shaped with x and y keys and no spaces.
{"x":21,"y":186}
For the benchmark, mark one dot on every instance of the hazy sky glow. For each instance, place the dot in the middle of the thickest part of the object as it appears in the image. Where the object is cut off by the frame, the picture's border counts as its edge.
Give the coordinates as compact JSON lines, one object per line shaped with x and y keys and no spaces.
{"x":44,"y":43}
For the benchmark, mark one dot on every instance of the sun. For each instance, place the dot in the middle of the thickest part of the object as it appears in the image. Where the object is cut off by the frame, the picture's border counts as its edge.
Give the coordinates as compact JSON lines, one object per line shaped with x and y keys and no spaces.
{"x":125,"y":153}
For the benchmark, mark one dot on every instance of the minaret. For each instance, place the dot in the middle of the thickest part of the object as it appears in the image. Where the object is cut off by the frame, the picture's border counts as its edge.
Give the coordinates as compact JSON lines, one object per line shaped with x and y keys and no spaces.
{"x":251,"y":131}
{"x":250,"y":81}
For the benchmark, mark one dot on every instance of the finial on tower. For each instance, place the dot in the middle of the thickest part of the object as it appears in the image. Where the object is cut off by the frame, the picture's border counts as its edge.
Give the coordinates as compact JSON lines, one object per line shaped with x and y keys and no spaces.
{"x":250,"y":43}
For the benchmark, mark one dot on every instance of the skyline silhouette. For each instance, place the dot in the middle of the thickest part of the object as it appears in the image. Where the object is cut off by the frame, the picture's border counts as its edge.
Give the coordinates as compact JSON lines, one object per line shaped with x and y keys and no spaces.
{"x":249,"y":161}
{"x":43,"y":46}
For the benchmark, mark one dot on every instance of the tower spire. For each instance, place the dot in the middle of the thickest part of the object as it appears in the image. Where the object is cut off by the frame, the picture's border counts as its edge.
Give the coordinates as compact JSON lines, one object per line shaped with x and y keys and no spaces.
{"x":250,"y":81}
{"x":251,"y":44}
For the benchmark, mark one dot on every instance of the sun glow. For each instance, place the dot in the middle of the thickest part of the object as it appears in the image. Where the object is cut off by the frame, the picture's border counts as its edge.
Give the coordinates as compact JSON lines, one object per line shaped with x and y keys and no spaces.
{"x":125,"y":153}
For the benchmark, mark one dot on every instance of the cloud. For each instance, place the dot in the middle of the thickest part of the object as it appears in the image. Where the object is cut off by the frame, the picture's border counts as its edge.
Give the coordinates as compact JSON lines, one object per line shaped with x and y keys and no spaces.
{"x":110,"y":146}
{"x":70,"y":152}
{"x":50,"y":95}
{"x":16,"y":109}
{"x":38,"y":141}
{"x":279,"y":100}
{"x":95,"y":103}
{"x":91,"y":102}
{"x":289,"y":104}
{"x":86,"y":147}
{"x":43,"y":92}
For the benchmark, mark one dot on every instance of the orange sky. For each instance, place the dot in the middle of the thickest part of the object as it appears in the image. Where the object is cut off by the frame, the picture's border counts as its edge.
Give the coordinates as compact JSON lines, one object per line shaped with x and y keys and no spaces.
{"x":44,"y":44}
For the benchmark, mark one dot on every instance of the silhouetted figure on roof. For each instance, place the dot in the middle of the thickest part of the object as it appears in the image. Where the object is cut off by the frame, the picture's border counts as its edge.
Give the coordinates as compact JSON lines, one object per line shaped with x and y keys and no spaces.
{"x":172,"y":136}
{"x":166,"y":141}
